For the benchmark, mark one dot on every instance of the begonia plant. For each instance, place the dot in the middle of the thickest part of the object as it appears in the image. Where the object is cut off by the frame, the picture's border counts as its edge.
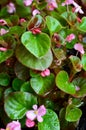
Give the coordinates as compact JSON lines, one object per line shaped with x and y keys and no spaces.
{"x":42,"y":64}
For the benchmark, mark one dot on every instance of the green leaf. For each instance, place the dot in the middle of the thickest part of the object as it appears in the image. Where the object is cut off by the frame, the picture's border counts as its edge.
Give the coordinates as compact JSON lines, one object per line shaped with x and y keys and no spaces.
{"x":17,"y":103}
{"x":34,"y":73}
{"x":69,"y":17}
{"x":83,"y":61}
{"x":8,"y":91}
{"x":14,"y":19}
{"x":53,"y":24}
{"x":21,"y":71}
{"x":64,"y":123}
{"x":72,"y":113}
{"x":17,"y":83}
{"x":5,"y":55}
{"x":42,"y":85}
{"x":82,"y":25}
{"x":16,"y":30}
{"x":76,"y":63}
{"x":29,"y":60}
{"x":62,"y":82}
{"x":81,"y":83}
{"x":23,"y":11}
{"x":26,"y":87}
{"x":50,"y":121}
{"x":4,"y":79}
{"x":20,"y":2}
{"x":38,"y":44}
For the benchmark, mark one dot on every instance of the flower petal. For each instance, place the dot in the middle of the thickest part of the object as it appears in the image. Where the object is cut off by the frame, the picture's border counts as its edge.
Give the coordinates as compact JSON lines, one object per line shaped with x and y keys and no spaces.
{"x":35,"y":107}
{"x":30,"y":115}
{"x":41,"y":110}
{"x":39,"y":118}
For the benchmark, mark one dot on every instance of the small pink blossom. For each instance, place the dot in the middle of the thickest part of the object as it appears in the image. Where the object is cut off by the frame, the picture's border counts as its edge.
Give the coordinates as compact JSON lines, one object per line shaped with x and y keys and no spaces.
{"x":3,"y":31}
{"x":22,"y":20}
{"x":3,"y":49}
{"x":35,"y":11}
{"x":11,"y":8}
{"x":14,"y":125}
{"x":27,"y":2}
{"x":3,"y":22}
{"x":36,"y":113}
{"x":36,"y":31}
{"x":51,"y":4}
{"x":77,"y":8}
{"x":79,"y":47}
{"x":30,"y":123}
{"x":70,"y":37}
{"x":77,"y":88}
{"x":45,"y":73}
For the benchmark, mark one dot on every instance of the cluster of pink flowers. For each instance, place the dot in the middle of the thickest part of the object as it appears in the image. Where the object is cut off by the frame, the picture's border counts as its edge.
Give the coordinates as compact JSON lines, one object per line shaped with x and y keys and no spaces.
{"x":31,"y":115}
{"x":78,"y":46}
{"x":36,"y":113}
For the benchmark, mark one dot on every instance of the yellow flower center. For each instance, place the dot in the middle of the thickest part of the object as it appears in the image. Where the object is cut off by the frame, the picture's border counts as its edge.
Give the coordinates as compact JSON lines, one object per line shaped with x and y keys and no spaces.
{"x":8,"y":128}
{"x":36,"y":112}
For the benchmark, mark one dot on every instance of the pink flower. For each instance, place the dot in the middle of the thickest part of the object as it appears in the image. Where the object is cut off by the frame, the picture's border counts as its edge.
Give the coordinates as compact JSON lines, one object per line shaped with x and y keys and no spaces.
{"x":27,"y":2}
{"x":79,"y":47}
{"x":3,"y":22}
{"x":22,"y":20}
{"x":70,"y":37}
{"x":14,"y":125}
{"x":33,"y":114}
{"x":77,"y":8}
{"x":11,"y":8}
{"x":3,"y":49}
{"x":45,"y":73}
{"x":30,"y":123}
{"x":51,"y":4}
{"x":77,"y":88}
{"x":36,"y":30}
{"x":35,"y":11}
{"x":3,"y":31}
